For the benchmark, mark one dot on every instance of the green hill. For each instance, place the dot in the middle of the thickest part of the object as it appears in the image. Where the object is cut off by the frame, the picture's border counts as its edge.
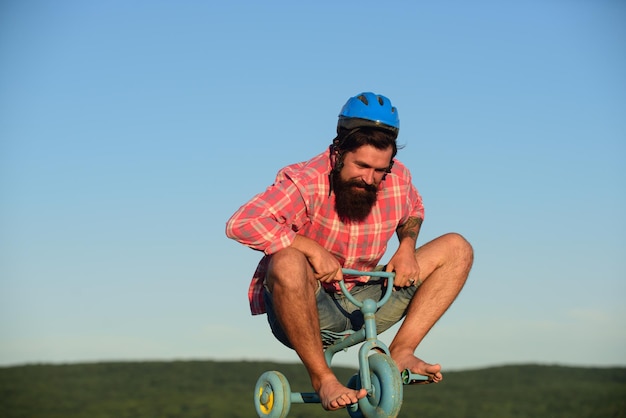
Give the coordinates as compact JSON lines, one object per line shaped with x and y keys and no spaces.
{"x":190,"y":389}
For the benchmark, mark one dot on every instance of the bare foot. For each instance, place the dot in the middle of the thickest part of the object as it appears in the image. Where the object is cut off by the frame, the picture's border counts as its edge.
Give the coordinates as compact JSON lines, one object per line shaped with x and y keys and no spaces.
{"x":333,"y":395}
{"x":408,"y":360}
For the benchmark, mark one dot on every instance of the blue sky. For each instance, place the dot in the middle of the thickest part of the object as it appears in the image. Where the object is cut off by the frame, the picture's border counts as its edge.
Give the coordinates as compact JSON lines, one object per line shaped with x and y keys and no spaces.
{"x":131,"y":131}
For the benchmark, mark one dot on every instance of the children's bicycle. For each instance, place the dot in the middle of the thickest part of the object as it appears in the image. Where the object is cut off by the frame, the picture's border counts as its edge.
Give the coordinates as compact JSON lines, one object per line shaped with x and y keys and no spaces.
{"x":378,"y":373}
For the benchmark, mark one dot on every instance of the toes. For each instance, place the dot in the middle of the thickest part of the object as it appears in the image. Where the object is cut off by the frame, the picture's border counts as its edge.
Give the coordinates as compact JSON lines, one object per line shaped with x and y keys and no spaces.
{"x":346,"y":399}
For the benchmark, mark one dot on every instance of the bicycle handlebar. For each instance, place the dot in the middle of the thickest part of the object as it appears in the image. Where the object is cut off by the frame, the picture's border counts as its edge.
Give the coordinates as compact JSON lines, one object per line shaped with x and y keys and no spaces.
{"x":386,"y":274}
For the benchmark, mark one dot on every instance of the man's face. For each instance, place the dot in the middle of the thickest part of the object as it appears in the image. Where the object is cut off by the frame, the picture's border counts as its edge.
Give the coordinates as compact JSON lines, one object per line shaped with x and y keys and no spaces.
{"x":357,"y":183}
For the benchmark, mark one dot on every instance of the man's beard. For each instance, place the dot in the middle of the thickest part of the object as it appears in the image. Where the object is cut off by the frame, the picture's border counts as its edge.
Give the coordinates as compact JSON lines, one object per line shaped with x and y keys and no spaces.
{"x":353,"y":204}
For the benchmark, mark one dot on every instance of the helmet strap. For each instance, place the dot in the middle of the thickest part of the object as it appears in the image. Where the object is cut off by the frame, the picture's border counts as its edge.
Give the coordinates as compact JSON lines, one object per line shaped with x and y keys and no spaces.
{"x":336,"y":163}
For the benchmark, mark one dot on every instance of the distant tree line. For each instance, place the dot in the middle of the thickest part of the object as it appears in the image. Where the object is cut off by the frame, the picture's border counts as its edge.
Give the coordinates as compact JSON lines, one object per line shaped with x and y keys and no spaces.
{"x":208,"y":389}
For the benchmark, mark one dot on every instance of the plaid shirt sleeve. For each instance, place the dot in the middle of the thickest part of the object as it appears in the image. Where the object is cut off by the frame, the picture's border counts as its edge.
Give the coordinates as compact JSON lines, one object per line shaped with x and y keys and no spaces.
{"x":268,"y":223}
{"x":414,"y":199}
{"x":269,"y":220}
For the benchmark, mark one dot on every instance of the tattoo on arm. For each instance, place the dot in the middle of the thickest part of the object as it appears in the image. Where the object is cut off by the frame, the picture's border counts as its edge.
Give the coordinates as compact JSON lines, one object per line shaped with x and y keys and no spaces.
{"x":410,"y":229}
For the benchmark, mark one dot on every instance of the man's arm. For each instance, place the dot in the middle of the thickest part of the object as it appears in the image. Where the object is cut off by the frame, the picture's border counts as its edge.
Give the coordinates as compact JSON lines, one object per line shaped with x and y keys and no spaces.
{"x":269,"y":220}
{"x":408,"y":232}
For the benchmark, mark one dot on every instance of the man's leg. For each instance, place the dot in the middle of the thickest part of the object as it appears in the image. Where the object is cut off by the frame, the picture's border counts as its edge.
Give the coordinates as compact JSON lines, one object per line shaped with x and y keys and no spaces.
{"x":292,"y":284}
{"x":444,"y":264}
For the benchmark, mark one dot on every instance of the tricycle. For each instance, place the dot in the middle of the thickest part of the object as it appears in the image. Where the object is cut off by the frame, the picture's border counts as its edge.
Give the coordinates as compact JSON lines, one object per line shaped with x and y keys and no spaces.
{"x":377,"y":374}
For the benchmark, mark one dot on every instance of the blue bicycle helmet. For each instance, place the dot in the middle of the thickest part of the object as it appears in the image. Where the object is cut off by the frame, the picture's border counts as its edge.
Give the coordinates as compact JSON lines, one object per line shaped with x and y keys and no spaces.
{"x":371,"y":110}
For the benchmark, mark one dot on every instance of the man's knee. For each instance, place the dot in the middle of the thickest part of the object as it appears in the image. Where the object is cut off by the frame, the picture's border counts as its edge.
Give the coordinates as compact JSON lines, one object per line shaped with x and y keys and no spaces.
{"x":459,"y":250}
{"x":287,"y":266}
{"x":451,"y":248}
{"x":285,"y":259}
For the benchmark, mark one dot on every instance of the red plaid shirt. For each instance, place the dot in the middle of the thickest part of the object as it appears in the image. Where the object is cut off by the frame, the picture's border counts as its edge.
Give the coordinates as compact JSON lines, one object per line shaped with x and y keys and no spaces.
{"x":298,"y":203}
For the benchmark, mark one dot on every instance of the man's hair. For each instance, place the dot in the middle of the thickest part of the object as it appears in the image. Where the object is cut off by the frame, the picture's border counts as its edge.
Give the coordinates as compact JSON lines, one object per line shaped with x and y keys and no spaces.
{"x":350,"y":140}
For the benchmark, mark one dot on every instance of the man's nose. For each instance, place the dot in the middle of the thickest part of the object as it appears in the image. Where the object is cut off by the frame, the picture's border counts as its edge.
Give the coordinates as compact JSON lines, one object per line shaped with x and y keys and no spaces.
{"x":368,"y":177}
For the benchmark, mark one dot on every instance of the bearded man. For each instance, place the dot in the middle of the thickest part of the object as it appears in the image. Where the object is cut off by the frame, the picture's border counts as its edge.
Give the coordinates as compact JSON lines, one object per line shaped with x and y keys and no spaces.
{"x":339,"y":210}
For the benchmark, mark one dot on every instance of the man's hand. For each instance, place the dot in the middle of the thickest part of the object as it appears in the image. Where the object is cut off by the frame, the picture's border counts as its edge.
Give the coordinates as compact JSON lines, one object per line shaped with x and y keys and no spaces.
{"x":325,"y":266}
{"x":404,"y":264}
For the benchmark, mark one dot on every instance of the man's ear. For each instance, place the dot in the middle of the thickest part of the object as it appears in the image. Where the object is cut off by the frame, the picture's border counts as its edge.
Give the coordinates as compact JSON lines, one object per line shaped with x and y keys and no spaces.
{"x":388,"y":170}
{"x":336,"y":157}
